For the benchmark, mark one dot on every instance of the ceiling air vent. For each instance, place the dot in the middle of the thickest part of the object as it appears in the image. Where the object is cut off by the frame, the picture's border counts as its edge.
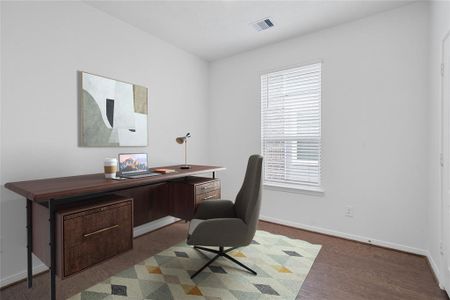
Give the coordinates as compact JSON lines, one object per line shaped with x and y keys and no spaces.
{"x":262,"y":24}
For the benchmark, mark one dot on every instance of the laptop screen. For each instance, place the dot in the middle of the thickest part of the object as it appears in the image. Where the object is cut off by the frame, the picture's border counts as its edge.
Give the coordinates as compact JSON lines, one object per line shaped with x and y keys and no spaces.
{"x":133,"y":163}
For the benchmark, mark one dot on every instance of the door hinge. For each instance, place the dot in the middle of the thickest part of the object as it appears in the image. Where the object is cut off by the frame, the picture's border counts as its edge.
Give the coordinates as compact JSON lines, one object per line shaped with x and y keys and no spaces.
{"x":441,"y":159}
{"x":442,"y":69}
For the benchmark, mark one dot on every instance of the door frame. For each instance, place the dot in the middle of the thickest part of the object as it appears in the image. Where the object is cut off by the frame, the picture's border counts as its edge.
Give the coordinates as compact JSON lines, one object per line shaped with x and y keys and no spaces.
{"x":444,"y":280}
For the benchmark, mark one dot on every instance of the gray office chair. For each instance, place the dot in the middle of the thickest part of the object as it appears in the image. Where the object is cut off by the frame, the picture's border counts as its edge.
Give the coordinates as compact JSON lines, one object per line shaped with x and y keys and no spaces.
{"x":222,"y":223}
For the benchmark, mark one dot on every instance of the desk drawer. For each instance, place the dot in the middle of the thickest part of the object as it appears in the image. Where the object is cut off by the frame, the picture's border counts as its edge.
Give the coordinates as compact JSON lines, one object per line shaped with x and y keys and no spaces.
{"x":207,"y":187}
{"x":215,"y":194}
{"x":94,"y":235}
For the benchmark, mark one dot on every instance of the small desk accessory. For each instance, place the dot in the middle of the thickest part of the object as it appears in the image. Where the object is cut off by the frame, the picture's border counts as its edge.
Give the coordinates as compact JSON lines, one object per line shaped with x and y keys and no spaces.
{"x":164,"y":171}
{"x":110,"y":168}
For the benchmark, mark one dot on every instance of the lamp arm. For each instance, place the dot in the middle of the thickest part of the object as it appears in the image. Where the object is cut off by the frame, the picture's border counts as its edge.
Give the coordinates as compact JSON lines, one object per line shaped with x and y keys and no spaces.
{"x":185,"y":152}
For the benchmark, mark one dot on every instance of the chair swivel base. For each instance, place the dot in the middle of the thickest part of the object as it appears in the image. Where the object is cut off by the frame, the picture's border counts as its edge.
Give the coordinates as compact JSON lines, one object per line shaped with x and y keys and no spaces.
{"x":219,"y":253}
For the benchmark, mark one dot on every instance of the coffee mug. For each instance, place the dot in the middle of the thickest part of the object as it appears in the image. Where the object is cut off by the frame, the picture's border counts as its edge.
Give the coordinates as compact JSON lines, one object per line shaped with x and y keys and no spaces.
{"x":110,"y":168}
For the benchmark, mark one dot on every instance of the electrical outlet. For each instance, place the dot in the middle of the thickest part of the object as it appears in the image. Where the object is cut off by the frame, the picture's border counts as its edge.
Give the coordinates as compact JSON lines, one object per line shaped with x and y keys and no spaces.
{"x":349,"y":211}
{"x":441,"y":248}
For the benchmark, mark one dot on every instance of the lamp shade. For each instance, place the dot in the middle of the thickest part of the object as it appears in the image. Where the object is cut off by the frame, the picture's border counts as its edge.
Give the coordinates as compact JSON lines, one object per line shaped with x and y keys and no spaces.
{"x":182,"y":139}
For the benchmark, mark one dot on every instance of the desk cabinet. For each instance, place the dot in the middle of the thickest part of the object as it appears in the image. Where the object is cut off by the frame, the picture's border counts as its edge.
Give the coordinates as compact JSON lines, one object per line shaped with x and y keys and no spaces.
{"x":185,"y":194}
{"x":87,"y":233}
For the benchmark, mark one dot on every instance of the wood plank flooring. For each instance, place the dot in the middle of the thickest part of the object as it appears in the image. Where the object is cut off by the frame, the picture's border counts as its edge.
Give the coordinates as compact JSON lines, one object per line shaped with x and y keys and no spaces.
{"x":343,"y":269}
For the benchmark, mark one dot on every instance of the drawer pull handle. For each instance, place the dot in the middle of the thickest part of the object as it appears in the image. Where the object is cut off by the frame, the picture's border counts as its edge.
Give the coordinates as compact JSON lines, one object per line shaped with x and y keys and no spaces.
{"x":101,"y":230}
{"x":209,"y":197}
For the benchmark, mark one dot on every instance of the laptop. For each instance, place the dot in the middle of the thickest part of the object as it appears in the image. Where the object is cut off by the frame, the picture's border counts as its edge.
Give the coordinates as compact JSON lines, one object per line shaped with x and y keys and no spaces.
{"x":134,"y":165}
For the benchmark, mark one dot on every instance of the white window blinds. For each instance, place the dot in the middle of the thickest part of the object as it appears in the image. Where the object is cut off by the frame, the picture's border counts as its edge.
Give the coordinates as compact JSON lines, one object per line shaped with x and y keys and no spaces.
{"x":290,"y":126}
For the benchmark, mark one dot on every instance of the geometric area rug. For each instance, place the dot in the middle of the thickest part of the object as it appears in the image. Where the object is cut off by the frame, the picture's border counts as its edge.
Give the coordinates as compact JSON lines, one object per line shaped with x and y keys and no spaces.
{"x":282,"y":265}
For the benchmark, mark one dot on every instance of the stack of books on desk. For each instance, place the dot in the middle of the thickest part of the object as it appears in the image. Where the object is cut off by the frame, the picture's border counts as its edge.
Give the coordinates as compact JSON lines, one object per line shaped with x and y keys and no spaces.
{"x":164,"y":171}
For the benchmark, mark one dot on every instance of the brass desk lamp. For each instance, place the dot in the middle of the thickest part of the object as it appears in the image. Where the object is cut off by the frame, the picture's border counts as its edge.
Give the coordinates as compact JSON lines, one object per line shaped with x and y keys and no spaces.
{"x":183,"y":140}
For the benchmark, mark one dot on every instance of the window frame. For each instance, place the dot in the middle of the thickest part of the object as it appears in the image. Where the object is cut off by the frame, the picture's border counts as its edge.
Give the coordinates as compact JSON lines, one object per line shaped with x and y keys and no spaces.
{"x":314,"y":190}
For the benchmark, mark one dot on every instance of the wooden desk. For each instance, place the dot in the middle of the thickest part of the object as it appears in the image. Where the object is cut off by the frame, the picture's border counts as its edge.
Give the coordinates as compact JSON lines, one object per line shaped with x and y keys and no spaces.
{"x":55,"y":193}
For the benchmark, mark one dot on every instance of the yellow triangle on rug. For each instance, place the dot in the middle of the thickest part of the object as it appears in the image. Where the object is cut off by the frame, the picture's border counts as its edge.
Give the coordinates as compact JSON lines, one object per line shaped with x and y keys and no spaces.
{"x":191,"y":290}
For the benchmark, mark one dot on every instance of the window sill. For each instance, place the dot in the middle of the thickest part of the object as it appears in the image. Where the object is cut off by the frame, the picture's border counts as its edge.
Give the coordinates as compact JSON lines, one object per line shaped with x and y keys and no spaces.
{"x":298,"y":189}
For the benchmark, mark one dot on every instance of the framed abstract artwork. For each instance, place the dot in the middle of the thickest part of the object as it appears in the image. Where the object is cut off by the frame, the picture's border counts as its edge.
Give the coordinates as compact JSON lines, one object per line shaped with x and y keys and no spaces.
{"x":112,"y":113}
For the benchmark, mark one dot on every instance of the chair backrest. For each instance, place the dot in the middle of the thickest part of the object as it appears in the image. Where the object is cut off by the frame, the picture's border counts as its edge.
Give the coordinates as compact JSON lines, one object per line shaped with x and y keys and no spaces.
{"x":248,"y":200}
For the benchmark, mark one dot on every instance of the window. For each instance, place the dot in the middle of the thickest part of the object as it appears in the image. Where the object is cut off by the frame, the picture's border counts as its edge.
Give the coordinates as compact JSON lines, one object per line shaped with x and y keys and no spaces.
{"x":291,"y":127}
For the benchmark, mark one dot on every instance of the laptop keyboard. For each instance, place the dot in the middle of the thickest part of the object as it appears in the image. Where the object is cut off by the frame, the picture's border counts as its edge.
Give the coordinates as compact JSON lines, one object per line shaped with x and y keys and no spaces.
{"x":140,"y":175}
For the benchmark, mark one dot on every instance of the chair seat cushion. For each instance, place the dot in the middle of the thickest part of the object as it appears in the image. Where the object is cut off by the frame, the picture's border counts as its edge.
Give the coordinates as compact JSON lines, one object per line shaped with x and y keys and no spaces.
{"x":219,"y":232}
{"x":193,"y":224}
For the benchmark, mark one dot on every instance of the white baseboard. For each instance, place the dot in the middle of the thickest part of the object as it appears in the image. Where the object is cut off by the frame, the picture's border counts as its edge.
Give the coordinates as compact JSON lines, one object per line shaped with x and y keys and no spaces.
{"x":344,"y":235}
{"x":422,"y":252}
{"x":137,"y":231}
{"x":147,"y":227}
{"x":435,"y":269}
{"x":21,"y":275}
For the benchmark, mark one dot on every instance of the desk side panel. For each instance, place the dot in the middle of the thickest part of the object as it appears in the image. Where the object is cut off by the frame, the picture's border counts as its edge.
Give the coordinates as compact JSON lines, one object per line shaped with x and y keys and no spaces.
{"x":41,"y":248}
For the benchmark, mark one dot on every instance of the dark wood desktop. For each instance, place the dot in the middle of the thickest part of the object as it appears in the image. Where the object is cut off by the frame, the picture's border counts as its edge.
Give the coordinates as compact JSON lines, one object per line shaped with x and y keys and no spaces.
{"x":56,"y":205}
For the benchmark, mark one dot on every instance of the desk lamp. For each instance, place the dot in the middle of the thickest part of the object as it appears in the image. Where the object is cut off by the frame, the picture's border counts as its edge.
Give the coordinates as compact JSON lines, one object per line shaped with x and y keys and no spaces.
{"x":183,"y":140}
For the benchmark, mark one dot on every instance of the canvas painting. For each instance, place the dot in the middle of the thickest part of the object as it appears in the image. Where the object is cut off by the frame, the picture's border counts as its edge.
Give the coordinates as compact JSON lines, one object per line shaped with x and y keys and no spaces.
{"x":113,"y":113}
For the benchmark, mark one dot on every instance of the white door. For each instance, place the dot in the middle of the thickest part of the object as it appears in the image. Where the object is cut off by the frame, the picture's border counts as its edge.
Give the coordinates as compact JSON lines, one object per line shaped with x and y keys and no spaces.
{"x":446,"y":169}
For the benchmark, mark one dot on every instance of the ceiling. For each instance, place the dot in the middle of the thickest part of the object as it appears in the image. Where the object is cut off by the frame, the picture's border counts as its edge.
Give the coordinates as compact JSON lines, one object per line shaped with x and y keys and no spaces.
{"x":217,"y":29}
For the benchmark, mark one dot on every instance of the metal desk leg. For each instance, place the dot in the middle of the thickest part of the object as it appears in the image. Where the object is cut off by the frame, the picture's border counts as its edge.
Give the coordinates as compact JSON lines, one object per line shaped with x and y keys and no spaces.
{"x":51,"y":209}
{"x":29,"y":245}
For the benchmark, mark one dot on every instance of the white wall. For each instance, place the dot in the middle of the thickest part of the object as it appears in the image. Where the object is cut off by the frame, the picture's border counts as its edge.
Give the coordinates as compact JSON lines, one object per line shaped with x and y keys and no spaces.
{"x":375,"y":126}
{"x":43,"y":45}
{"x":376,"y":115}
{"x":439,"y":27}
